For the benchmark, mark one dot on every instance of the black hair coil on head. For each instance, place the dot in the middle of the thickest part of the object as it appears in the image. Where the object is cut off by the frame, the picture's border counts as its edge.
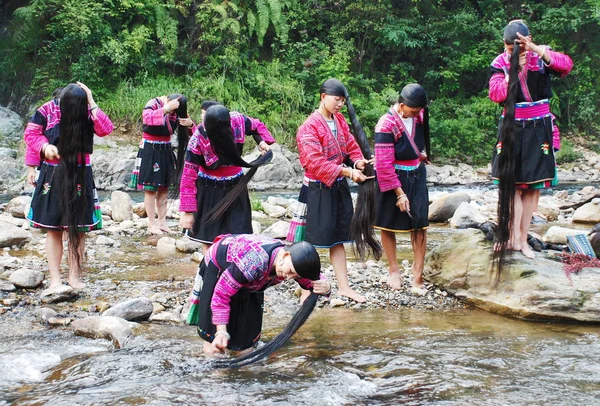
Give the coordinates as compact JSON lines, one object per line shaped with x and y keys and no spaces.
{"x":414,"y":95}
{"x":511,"y":30}
{"x":305,"y":259}
{"x":334,"y":87}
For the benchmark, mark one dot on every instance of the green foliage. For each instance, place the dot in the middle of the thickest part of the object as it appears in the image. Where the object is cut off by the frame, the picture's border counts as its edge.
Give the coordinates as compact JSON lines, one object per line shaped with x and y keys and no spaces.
{"x":567,"y":153}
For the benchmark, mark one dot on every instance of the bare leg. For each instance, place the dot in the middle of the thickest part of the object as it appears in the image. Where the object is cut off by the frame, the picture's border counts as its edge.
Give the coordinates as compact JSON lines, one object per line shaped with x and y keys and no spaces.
{"x":529,"y":199}
{"x":75,"y":266}
{"x":161,"y":205}
{"x":419,"y":245}
{"x":388,"y":240}
{"x":337,"y":255}
{"x":54,"y":251}
{"x":150,"y":205}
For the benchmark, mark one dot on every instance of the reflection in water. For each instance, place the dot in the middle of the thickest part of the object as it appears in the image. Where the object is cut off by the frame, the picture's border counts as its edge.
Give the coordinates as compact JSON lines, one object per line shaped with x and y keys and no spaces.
{"x":341,"y":356}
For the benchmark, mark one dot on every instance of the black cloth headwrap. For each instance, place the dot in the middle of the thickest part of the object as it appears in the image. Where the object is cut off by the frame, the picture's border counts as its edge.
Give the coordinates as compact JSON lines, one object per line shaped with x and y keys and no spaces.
{"x":414,"y":95}
{"x":334,"y":87}
{"x":305,"y":259}
{"x":511,"y":30}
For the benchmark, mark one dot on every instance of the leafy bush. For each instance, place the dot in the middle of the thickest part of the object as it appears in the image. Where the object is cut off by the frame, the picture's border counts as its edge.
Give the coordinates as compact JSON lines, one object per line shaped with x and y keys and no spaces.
{"x":567,"y":153}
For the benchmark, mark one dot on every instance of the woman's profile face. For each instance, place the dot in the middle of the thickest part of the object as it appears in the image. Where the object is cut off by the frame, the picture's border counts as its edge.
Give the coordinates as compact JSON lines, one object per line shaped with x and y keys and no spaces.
{"x":409,"y":112}
{"x":332,"y":104}
{"x":285,"y":268}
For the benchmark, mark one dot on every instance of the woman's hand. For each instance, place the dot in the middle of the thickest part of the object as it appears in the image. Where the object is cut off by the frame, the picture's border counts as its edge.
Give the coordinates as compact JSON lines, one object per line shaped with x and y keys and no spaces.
{"x":31,"y":175}
{"x":402,"y":203}
{"x":360,"y":164}
{"x":528,"y":44}
{"x":186,"y":220}
{"x":263,"y":147}
{"x":356,"y":175}
{"x":186,"y":122}
{"x":88,"y":92}
{"x":171,"y":106}
{"x":50,"y":152}
{"x":321,"y":287}
{"x":221,"y":340}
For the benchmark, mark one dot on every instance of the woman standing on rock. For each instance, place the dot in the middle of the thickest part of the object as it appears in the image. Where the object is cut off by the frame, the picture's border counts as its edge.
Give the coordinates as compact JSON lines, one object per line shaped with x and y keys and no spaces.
{"x":59,"y":140}
{"x":401,"y":152}
{"x":227,"y":305}
{"x":156,"y":167}
{"x":523,"y":159}
{"x":329,"y":154}
{"x":213,"y":192}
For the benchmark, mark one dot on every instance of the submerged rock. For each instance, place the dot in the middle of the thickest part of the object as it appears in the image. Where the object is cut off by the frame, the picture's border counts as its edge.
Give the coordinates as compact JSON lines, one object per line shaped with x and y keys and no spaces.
{"x":108,"y":327}
{"x":535,"y":289}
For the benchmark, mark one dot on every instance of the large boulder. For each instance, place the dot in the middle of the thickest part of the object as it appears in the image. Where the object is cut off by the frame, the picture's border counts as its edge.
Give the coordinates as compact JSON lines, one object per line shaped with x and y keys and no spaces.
{"x":18,"y":206}
{"x":535,"y":289}
{"x":121,"y":206}
{"x":116,"y":329}
{"x":11,"y":127}
{"x":281,"y":173}
{"x":113,"y":167}
{"x":26,"y":278}
{"x":12,"y":235}
{"x":588,"y":213}
{"x":467,"y":215}
{"x":279,"y":229}
{"x":443,"y":208}
{"x":138,"y":309}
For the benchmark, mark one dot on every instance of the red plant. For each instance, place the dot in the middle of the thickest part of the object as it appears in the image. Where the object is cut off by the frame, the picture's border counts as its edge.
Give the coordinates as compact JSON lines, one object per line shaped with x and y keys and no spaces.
{"x":573,"y":263}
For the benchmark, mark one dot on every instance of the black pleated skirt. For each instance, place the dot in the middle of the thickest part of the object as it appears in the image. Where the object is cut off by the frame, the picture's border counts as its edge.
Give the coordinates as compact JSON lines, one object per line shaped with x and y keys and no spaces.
{"x":154,"y":166}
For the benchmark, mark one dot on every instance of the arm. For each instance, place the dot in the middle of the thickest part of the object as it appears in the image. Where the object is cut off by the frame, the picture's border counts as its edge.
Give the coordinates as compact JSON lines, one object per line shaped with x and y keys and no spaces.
{"x":35,"y":141}
{"x":384,"y":162}
{"x":313,"y":158}
{"x":498,"y":87}
{"x":559,"y":63}
{"x":154,"y":114}
{"x":258,"y":130}
{"x":102,"y":124}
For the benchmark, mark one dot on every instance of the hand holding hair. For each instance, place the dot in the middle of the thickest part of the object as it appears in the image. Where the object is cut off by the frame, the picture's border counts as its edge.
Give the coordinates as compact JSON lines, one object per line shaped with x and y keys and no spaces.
{"x":321,"y":287}
{"x":50,"y":151}
{"x":171,"y":106}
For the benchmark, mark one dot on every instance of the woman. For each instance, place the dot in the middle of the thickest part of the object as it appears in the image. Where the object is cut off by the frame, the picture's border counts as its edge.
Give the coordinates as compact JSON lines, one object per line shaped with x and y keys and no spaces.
{"x":156,"y":167}
{"x":213,"y":192}
{"x":234,"y":273}
{"x":329,"y":154}
{"x":59,"y":139}
{"x":401,"y":151}
{"x":523,"y":160}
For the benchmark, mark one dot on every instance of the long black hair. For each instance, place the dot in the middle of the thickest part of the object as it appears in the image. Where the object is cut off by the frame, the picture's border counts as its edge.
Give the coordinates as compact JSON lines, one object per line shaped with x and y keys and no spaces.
{"x":361,"y":226}
{"x":183,"y":137}
{"x":76,"y":139}
{"x":506,"y":158}
{"x":217,"y":123}
{"x":308,"y":265}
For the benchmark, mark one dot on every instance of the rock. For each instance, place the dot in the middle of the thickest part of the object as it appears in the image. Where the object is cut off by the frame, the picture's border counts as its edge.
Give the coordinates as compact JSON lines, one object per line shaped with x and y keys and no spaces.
{"x":558,"y":235}
{"x":256,"y":227}
{"x":104,"y":240}
{"x":59,"y":321}
{"x":12,"y":235}
{"x":157,"y":308}
{"x":444,"y":207}
{"x":138,"y":309}
{"x":337,"y":302}
{"x":274,"y":211}
{"x":112,"y":328}
{"x":140,"y":210}
{"x":11,"y":127}
{"x":7,"y":287}
{"x":184,"y":244}
{"x":112,"y":168}
{"x":7,"y":218}
{"x":60,"y":294}
{"x":166,"y":245}
{"x":467,"y":216}
{"x":588,"y":213}
{"x":278,"y":230}
{"x":121,"y":206}
{"x":166,"y":317}
{"x":278,"y":201}
{"x":45,"y":313}
{"x":535,"y":289}
{"x":18,"y":206}
{"x":26,"y":278}
{"x":197,"y":257}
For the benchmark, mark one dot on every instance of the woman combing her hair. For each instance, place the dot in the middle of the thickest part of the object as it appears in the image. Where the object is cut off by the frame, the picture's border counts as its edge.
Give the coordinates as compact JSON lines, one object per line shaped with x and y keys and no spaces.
{"x":60,"y":140}
{"x":156,"y":167}
{"x":523,"y":158}
{"x":213,"y":192}
{"x":329,"y":154}
{"x":236,"y":270}
{"x":401,"y":152}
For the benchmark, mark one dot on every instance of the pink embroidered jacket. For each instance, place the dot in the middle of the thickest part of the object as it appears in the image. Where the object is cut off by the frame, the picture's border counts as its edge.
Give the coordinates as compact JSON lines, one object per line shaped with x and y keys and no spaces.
{"x":534,"y":79}
{"x":201,"y":158}
{"x":322,"y":154}
{"x":246,"y":262}
{"x":43,"y":127}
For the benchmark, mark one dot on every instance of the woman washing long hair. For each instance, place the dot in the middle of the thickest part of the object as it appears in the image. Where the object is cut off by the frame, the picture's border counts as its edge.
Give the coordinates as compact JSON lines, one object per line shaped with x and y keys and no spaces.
{"x":523,"y":159}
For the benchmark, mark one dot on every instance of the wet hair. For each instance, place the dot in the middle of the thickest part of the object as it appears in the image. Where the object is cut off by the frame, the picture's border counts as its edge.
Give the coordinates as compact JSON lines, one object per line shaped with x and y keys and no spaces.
{"x":414,"y":95}
{"x":305,"y":259}
{"x":56,"y":93}
{"x":217,"y":123}
{"x":361,"y":226}
{"x":208,"y":103}
{"x":506,"y":159}
{"x":76,"y":137}
{"x":183,"y":137}
{"x":276,"y":343}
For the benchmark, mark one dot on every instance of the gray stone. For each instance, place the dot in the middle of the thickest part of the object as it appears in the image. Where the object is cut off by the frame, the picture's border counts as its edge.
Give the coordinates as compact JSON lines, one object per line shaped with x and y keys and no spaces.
{"x":18,"y":206}
{"x":184,"y":244}
{"x":444,"y":208}
{"x":278,"y":201}
{"x":60,"y":294}
{"x":273,"y":211}
{"x":466,"y":216}
{"x":558,"y":235}
{"x":138,"y":309}
{"x":588,"y":213}
{"x":9,"y":219}
{"x":26,"y":278}
{"x":12,"y":235}
{"x":535,"y":289}
{"x":45,"y":313}
{"x":119,"y":330}
{"x":112,"y":168}
{"x":166,"y":317}
{"x":279,"y":229}
{"x":11,"y":127}
{"x":121,"y":206}
{"x":166,"y":245}
{"x":256,"y":227}
{"x":7,"y":287}
{"x":104,"y":240}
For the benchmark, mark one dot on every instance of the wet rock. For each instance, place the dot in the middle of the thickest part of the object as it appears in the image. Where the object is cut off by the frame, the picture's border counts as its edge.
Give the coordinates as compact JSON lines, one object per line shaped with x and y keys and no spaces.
{"x":59,"y":321}
{"x":166,"y":317}
{"x":18,"y":206}
{"x":535,"y":289}
{"x":119,"y":330}
{"x":337,"y":302}
{"x":166,"y":245}
{"x":7,"y":287}
{"x":11,"y":235}
{"x":558,"y":235}
{"x":26,"y":278}
{"x":45,"y":313}
{"x":588,"y":213}
{"x":60,"y":294}
{"x":443,"y":208}
{"x":184,"y":244}
{"x":273,"y":210}
{"x":104,"y":240}
{"x":138,"y":309}
{"x":121,"y":206}
{"x":278,"y":230}
{"x":467,"y":216}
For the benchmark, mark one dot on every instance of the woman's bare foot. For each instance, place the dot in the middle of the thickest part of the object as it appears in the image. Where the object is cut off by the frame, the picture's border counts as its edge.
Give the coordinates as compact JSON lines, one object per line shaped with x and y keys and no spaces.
{"x":75,"y":283}
{"x":527,"y":251}
{"x":155,"y":230}
{"x":351,"y":294}
{"x":164,"y":228}
{"x":303,"y":295}
{"x":394,"y":280}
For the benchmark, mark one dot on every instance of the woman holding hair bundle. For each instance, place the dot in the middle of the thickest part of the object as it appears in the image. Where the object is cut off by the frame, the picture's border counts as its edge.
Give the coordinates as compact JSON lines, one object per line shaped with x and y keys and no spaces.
{"x":401,"y":152}
{"x":60,"y":140}
{"x":523,"y":159}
